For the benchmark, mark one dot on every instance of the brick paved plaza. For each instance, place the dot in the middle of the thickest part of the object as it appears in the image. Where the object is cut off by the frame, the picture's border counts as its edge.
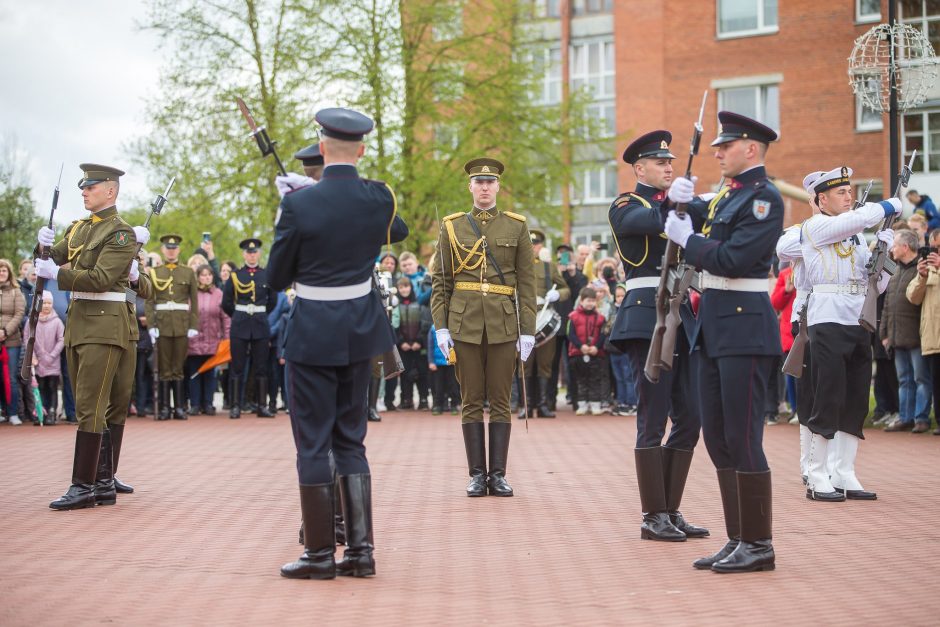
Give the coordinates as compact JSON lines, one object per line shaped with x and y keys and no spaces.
{"x":216,"y":513}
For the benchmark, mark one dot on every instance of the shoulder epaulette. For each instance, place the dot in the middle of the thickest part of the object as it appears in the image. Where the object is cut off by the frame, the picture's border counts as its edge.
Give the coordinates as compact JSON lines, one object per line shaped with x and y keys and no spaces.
{"x":454,"y":216}
{"x":621,"y":200}
{"x":515,"y":216}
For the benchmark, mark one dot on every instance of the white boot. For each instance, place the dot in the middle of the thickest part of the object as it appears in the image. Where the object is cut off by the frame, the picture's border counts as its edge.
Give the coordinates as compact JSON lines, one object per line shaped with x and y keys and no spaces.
{"x":596,"y":409}
{"x":805,"y":436}
{"x":831,"y":459}
{"x":818,"y":487}
{"x":843,"y":475}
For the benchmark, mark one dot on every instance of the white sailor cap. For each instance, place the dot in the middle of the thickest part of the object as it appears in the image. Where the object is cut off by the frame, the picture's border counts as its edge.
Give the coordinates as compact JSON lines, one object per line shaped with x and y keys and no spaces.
{"x":833,"y":178}
{"x":809,"y":179}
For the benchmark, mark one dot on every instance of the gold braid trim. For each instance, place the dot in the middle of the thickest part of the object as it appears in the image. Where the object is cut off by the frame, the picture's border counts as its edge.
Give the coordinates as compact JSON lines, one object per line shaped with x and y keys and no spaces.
{"x":160,"y":286}
{"x":713,"y":209}
{"x":456,"y":247}
{"x":73,"y":250}
{"x":243,"y":288}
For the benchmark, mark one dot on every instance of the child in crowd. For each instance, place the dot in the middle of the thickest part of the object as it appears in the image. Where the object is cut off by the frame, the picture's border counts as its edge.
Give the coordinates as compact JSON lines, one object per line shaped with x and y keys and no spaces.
{"x":50,"y":340}
{"x":414,"y":321}
{"x":625,"y":384}
{"x":586,"y":353}
{"x":444,"y":385}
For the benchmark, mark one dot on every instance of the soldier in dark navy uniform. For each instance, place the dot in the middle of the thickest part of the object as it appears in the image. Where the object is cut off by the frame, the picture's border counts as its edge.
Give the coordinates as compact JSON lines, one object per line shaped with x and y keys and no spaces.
{"x":737,"y":329}
{"x":328,"y":236}
{"x":312,"y":161}
{"x":248,"y":298}
{"x":636,"y":219}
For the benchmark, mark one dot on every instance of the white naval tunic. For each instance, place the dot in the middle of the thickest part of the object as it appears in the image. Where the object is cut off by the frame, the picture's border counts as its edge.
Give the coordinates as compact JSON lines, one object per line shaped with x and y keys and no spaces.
{"x":790,"y":249}
{"x":835,"y":253}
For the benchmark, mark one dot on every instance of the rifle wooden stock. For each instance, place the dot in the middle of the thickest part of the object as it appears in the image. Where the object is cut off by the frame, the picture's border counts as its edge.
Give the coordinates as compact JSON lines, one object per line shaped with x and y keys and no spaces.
{"x":654,"y":357}
{"x":793,"y":365}
{"x":395,"y":366}
{"x":673,"y":319}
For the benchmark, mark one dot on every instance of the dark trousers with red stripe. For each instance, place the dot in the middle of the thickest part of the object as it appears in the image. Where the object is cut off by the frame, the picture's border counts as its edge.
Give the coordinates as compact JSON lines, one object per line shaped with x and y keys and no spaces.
{"x":733,"y":390}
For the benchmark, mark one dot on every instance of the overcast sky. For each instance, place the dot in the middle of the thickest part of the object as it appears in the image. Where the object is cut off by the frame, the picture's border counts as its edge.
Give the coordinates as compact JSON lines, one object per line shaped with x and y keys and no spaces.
{"x":75,"y":79}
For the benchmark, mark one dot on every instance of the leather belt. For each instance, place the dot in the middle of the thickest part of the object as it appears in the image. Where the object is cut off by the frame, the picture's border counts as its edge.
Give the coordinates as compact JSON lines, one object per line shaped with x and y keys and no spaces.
{"x":251,"y":309}
{"x":172,"y":307}
{"x":114,"y":297}
{"x":848,"y":289}
{"x":343,"y":292}
{"x":486,"y":288}
{"x":713,"y":282}
{"x":645,"y":281}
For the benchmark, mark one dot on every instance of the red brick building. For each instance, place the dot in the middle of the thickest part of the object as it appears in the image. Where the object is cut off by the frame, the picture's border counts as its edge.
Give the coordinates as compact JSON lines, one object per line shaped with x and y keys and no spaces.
{"x":649,"y":61}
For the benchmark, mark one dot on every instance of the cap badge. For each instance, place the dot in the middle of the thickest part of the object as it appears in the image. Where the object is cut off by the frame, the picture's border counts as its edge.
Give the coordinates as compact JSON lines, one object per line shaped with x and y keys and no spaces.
{"x":845,"y":172}
{"x":485,"y":168}
{"x":663,"y":145}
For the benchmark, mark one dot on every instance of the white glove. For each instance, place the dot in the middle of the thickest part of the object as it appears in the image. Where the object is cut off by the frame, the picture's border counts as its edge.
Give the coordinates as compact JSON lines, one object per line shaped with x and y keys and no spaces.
{"x":291,"y":181}
{"x":886,"y":236}
{"x":552,"y":295}
{"x":678,"y":229}
{"x":46,"y":268}
{"x":154,"y":334}
{"x":134,"y":274}
{"x":46,"y":236}
{"x":444,"y":342}
{"x":191,"y":333}
{"x":894,"y":202}
{"x":142,"y":235}
{"x":524,"y":345}
{"x":682,"y":189}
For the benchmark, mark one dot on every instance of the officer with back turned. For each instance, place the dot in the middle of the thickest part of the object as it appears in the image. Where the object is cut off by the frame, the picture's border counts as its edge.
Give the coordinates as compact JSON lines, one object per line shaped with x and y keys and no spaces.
{"x":328,"y":236}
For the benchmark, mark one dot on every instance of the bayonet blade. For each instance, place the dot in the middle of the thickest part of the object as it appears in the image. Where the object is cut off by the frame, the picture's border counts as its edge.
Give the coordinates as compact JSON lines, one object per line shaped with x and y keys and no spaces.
{"x":169,"y":187}
{"x":701,"y":112}
{"x":247,"y":114}
{"x":59,"y":182}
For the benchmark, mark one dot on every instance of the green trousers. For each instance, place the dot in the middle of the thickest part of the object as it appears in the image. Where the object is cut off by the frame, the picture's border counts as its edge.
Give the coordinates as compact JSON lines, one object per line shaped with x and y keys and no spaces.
{"x":485,"y":373}
{"x":97,"y":372}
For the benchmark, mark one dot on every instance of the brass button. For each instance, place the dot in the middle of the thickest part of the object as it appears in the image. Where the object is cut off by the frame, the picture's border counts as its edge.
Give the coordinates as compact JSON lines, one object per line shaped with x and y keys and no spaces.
{"x":739,"y":310}
{"x":102,"y":311}
{"x":639,"y":302}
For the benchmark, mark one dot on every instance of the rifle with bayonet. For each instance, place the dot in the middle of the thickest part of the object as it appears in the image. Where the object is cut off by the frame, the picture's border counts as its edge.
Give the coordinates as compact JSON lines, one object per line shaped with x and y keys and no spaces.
{"x":674,"y":281}
{"x":156,"y":207}
{"x":793,"y":365}
{"x":260,"y":135}
{"x":26,"y":370}
{"x":879,"y":258}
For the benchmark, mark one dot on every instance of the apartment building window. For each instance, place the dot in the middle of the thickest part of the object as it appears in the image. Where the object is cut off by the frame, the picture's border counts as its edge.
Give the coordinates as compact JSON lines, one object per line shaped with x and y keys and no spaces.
{"x":741,"y":18}
{"x":449,"y":26}
{"x":923,"y":15}
{"x":922,"y":133}
{"x":592,"y":67}
{"x":547,"y":62}
{"x":866,"y":118}
{"x":585,"y":7}
{"x":876,"y":194}
{"x":604,"y":116}
{"x":760,"y":102}
{"x":868,"y":10}
{"x":597,"y":184}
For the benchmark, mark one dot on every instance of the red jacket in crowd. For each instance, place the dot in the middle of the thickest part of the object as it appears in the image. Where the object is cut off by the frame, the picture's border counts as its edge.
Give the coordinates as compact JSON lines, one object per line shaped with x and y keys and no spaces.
{"x":585,"y":327}
{"x":782,"y":301}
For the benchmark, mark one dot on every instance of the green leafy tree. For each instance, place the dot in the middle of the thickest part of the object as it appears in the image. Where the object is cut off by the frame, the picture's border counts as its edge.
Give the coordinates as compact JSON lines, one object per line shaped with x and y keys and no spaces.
{"x":19,"y":220}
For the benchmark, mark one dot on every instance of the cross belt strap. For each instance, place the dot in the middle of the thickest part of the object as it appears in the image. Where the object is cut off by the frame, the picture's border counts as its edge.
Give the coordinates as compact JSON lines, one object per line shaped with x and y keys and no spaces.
{"x":344,"y":292}
{"x":646,"y":281}
{"x":848,"y":289}
{"x":486,"y":247}
{"x":251,"y":309}
{"x":486,"y":288}
{"x":114,"y":297}
{"x":172,"y":307}
{"x":713,"y":282}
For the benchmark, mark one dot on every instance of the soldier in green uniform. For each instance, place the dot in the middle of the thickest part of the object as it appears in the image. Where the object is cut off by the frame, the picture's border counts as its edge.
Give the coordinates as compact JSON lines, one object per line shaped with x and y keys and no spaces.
{"x":101,"y":251}
{"x":549,"y":286}
{"x":172,"y":318}
{"x":486,"y":276}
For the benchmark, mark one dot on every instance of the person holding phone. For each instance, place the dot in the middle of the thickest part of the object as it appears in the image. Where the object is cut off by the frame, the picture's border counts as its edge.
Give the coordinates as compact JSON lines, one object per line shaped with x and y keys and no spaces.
{"x":576,"y":281}
{"x":924,"y":290}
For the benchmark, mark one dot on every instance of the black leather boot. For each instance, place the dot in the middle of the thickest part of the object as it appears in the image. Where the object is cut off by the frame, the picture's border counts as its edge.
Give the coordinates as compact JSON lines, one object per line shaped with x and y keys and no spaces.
{"x":263,"y":410}
{"x":374,"y":384}
{"x":755,"y":551}
{"x":649,"y":477}
{"x":81,"y":493}
{"x":676,"y":463}
{"x":317,"y":562}
{"x":179,"y":402}
{"x":357,"y":513}
{"x":117,"y":440}
{"x":474,"y":440}
{"x":163,"y":392}
{"x":499,"y":453}
{"x":235,"y":405}
{"x":728,"y":486}
{"x":105,"y":493}
{"x":543,"y":410}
